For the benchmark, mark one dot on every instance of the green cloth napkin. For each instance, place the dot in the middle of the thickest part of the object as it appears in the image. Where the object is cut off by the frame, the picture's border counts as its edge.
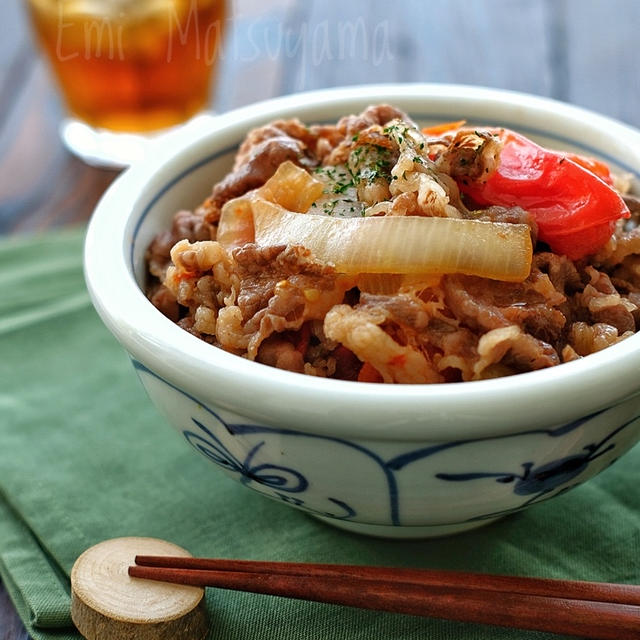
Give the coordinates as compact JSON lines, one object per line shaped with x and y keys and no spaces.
{"x":84,"y":456}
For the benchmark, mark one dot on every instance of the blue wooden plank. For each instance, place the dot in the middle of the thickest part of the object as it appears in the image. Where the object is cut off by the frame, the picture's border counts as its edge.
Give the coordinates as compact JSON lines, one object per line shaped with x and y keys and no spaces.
{"x":251,"y":65}
{"x":11,"y":628}
{"x":497,"y":43}
{"x":603,"y":56}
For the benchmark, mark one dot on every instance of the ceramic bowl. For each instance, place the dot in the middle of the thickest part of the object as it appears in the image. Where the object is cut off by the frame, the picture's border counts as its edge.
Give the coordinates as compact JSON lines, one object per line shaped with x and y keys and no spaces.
{"x":387,"y":460}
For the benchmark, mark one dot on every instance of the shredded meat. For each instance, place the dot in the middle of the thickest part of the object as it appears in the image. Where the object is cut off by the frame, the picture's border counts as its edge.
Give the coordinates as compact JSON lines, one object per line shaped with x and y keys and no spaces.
{"x":511,"y":215}
{"x":359,"y":331}
{"x":633,"y":202}
{"x":262,"y":161}
{"x":279,"y":352}
{"x":605,"y":305}
{"x":281,"y":306}
{"x":471,"y":155}
{"x":375,"y":115}
{"x":186,"y":226}
{"x":365,"y":128}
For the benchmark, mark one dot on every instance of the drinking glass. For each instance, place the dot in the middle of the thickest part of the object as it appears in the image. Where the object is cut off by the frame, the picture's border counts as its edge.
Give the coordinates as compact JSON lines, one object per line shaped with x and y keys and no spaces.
{"x":128,"y":69}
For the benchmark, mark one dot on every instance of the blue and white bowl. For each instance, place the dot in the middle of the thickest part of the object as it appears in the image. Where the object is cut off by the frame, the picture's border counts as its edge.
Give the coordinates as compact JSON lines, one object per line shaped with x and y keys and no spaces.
{"x":392,"y":460}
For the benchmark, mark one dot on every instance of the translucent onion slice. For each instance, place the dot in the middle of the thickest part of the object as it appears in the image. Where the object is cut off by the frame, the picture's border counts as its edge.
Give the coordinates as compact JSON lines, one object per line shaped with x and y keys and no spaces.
{"x":401,"y":244}
{"x":290,"y":186}
{"x":392,"y":283}
{"x":235,"y":226}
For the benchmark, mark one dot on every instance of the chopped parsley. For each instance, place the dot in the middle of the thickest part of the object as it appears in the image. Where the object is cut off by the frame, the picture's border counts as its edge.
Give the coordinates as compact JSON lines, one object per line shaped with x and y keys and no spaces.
{"x":341,"y":187}
{"x":328,"y":208}
{"x":339,"y":197}
{"x":370,"y":163}
{"x":397,"y":132}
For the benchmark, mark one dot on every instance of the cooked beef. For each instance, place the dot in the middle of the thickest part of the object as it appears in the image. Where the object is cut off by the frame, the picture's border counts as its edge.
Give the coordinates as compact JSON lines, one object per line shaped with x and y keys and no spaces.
{"x":375,"y":115}
{"x":470,"y":155}
{"x":267,"y":273}
{"x":604,"y":304}
{"x":278,"y":352}
{"x":165,"y":301}
{"x":186,"y":225}
{"x":262,"y":161}
{"x":510,"y":215}
{"x":252,"y":293}
{"x":281,"y":306}
{"x":633,"y":202}
{"x":483,"y":305}
{"x":363,"y":129}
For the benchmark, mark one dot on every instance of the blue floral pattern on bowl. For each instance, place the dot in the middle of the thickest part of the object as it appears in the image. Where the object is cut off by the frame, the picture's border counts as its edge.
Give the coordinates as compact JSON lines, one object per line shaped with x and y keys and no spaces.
{"x":382,"y":483}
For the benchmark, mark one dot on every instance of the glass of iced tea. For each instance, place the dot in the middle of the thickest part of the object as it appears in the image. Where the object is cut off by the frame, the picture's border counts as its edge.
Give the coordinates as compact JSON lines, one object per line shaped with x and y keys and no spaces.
{"x":128,"y":68}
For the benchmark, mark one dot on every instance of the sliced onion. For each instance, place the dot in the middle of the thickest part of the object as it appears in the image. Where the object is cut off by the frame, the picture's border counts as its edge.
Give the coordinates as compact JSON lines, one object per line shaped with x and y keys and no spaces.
{"x":290,"y":187}
{"x":401,"y":244}
{"x":235,"y":226}
{"x":392,"y":283}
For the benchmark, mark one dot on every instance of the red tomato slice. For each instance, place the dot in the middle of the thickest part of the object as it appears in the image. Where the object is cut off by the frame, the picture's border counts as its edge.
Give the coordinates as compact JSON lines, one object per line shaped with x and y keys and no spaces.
{"x":595,"y":166}
{"x":574,"y":208}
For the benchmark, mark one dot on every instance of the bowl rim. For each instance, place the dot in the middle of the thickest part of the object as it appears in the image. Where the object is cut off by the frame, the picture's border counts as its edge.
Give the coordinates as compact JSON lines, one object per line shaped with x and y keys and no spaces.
{"x":451,"y":411}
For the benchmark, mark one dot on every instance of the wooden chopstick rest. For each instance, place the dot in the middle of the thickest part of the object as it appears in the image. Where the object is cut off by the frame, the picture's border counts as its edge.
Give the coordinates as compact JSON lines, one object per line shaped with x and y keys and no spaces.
{"x":106,"y":603}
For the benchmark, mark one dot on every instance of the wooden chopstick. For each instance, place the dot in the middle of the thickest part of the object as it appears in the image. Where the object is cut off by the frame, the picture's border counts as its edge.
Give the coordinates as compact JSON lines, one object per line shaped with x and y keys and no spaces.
{"x":588,"y":609}
{"x":600,"y":591}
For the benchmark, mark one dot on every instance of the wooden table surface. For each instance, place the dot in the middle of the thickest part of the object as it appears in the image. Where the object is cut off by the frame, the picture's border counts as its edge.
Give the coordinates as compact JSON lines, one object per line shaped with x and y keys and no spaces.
{"x":579,"y":51}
